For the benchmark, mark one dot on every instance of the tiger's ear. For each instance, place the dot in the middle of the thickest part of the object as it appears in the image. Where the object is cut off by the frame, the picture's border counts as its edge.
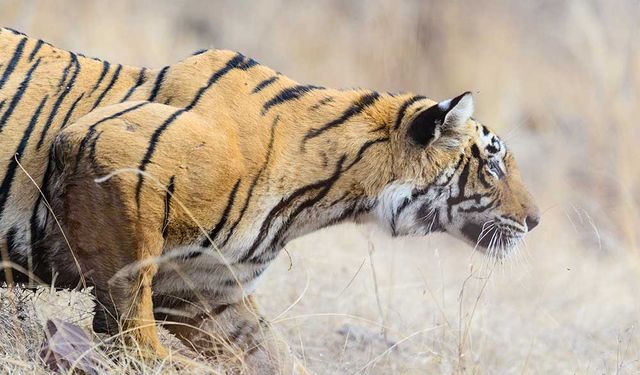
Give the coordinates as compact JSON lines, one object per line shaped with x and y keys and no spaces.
{"x":427,"y":126}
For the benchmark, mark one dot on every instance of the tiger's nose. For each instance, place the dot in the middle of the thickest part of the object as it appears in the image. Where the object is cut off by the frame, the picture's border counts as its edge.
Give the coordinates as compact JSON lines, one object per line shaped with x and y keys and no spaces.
{"x":532,"y":221}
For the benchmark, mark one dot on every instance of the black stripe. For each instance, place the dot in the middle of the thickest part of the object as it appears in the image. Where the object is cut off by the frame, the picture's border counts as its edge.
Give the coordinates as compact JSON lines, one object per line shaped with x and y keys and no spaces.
{"x":16,"y":32}
{"x":328,"y":184}
{"x":192,"y":254}
{"x":497,"y":202}
{"x":397,"y":213}
{"x":92,"y":129}
{"x":237,"y":333}
{"x":12,"y":275}
{"x":253,"y":183}
{"x":322,"y":102}
{"x":457,"y":200}
{"x":291,"y":93}
{"x":5,"y":187}
{"x":509,"y":217}
{"x":176,"y":300}
{"x":257,"y":271}
{"x":167,"y":206}
{"x":41,"y":266}
{"x":18,"y":95}
{"x":213,"y":233}
{"x":475,"y":151}
{"x":363,"y":149}
{"x":158,"y":85}
{"x":462,"y":183}
{"x":235,"y":61}
{"x":356,"y":108}
{"x":199,"y":52}
{"x":153,"y":142}
{"x":477,"y":197}
{"x":56,"y":106}
{"x":67,"y":117}
{"x":218,"y":309}
{"x":2,"y":104}
{"x":454,"y":173}
{"x":282,"y":205}
{"x":92,"y":153}
{"x":463,"y":178}
{"x":65,"y":73}
{"x":141,"y":80}
{"x":103,"y":73}
{"x":11,"y":66}
{"x":354,"y":209}
{"x":114,"y":78}
{"x":403,"y":109}
{"x":480,"y":208}
{"x":12,"y":244}
{"x":37,"y":47}
{"x":264,"y":84}
{"x":246,"y":63}
{"x":415,"y":194}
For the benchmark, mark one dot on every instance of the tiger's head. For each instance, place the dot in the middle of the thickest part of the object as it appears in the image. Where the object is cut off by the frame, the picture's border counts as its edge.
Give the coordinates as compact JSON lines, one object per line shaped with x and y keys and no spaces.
{"x":453,"y":174}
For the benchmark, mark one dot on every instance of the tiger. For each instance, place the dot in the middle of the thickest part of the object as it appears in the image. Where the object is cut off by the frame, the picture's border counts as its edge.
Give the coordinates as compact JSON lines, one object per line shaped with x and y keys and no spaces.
{"x":168,"y":192}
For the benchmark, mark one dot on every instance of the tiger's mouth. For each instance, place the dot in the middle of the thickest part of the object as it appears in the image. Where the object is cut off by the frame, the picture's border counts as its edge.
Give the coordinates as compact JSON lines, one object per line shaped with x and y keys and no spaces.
{"x":494,"y":239}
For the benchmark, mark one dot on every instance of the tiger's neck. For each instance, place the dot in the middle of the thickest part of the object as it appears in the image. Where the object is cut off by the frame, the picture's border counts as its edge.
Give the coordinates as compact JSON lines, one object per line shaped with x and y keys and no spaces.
{"x":326,"y":158}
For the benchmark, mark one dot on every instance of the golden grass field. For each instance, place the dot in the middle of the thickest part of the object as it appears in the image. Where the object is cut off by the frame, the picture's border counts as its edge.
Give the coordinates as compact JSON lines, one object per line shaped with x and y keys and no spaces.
{"x":559,"y":80}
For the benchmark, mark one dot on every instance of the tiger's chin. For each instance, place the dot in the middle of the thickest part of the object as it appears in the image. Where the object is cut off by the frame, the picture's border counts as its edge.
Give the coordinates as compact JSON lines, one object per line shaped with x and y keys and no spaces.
{"x":497,"y":242}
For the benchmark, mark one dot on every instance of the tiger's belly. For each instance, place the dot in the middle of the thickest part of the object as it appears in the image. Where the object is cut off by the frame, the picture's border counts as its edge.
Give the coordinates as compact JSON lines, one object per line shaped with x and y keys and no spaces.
{"x":193,"y":275}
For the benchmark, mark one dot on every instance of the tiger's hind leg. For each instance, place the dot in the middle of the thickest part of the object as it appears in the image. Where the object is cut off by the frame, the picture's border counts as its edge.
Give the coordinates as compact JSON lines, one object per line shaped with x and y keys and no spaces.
{"x":115,"y":224}
{"x":235,"y":335}
{"x":124,"y":303}
{"x":115,"y":250}
{"x":121,"y":268}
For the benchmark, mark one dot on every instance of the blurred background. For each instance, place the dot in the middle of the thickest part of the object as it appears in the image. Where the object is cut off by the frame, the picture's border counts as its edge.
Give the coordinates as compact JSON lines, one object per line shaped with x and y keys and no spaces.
{"x":558,"y":80}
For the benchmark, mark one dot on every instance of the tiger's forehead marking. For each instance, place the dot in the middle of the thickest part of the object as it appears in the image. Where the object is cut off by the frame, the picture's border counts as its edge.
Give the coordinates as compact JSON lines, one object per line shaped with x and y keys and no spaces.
{"x":492,"y":145}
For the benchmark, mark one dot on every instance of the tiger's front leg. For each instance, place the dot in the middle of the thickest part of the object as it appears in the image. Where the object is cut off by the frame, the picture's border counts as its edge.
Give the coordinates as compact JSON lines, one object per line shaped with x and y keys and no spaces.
{"x":236,"y":335}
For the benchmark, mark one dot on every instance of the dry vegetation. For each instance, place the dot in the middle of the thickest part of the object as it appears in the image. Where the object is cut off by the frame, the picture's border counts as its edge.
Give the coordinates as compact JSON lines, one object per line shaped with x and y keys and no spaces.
{"x":560,"y":80}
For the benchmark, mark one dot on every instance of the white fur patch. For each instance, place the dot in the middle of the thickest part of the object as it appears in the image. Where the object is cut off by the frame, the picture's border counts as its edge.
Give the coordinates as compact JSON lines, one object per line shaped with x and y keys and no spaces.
{"x":445,"y":104}
{"x":462,"y":111}
{"x":206,"y":272}
{"x":391,"y":198}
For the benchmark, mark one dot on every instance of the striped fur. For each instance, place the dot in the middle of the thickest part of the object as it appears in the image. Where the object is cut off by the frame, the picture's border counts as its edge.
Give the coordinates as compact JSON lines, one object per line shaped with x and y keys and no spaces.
{"x":213,"y":164}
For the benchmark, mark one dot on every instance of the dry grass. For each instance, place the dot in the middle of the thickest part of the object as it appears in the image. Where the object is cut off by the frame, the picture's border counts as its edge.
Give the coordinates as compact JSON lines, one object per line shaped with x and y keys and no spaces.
{"x":559,"y":80}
